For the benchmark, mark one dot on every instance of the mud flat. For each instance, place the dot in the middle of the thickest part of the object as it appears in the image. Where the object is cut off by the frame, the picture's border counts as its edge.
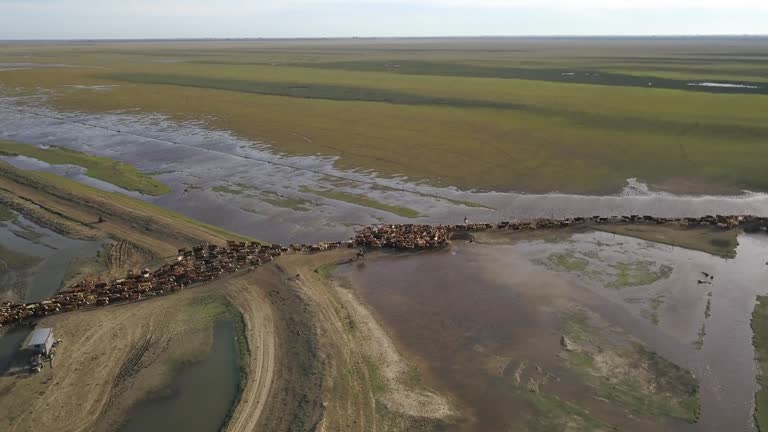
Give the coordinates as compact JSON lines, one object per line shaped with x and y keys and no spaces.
{"x":538,"y":323}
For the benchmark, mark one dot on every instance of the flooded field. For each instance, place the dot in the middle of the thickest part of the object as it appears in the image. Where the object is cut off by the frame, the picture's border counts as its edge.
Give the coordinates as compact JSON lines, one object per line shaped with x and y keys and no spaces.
{"x":42,"y":259}
{"x":574,"y":332}
{"x":36,"y":262}
{"x":201,"y":394}
{"x":246,"y":187}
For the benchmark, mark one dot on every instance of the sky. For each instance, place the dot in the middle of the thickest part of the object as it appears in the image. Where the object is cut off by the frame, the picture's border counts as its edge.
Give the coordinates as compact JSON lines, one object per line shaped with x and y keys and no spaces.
{"x":142,"y":19}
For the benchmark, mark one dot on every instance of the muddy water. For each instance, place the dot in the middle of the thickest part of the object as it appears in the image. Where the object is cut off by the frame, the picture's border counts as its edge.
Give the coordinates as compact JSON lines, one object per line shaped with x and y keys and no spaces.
{"x":194,"y":160}
{"x":43,"y":280}
{"x":201,"y":394}
{"x":469,"y":313}
{"x":56,"y":251}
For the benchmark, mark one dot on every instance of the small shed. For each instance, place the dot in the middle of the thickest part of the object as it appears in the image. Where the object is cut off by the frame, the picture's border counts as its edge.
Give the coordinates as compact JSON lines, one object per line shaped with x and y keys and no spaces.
{"x":41,"y":341}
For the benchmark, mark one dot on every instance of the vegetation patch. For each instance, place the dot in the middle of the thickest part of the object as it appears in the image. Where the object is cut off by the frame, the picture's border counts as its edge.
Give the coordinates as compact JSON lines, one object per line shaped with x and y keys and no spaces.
{"x":569,"y":262}
{"x":364,"y":201}
{"x":565,"y":261}
{"x":308,"y":90}
{"x":447,"y":120}
{"x":639,"y":273}
{"x":117,"y":173}
{"x":226,"y":189}
{"x":293,"y":203}
{"x":718,"y":242}
{"x":652,"y":313}
{"x":760,"y":342}
{"x":561,"y":75}
{"x":6,"y":214}
{"x":624,"y":371}
{"x":11,"y":260}
{"x":558,"y":414}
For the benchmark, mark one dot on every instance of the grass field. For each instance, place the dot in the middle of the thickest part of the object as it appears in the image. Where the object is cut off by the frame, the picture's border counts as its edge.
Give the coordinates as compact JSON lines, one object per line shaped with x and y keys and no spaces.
{"x":108,"y":170}
{"x":363,"y":201}
{"x":489,"y":114}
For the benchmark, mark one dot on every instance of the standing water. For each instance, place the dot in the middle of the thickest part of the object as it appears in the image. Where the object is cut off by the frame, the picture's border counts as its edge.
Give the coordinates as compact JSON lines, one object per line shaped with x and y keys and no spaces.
{"x":201,"y":395}
{"x":480,"y":319}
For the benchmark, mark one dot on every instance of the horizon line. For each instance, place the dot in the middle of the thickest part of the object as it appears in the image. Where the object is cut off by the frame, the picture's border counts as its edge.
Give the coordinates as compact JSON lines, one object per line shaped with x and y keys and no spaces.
{"x":299,"y":38}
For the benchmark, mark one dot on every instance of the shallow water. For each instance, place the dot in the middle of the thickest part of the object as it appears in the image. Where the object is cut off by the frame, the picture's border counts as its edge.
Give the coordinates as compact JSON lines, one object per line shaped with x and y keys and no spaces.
{"x":194,"y":159}
{"x":56,"y":251}
{"x":201,"y":394}
{"x":464,"y":312}
{"x":43,"y":280}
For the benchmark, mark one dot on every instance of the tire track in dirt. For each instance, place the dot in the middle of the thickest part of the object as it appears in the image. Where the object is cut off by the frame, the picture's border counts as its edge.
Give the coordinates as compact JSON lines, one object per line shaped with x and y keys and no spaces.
{"x":261,"y":339}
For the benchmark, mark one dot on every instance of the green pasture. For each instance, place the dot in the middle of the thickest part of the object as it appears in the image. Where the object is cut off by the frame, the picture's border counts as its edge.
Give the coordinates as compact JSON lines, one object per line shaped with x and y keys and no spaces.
{"x":475,"y":114}
{"x":117,"y":173}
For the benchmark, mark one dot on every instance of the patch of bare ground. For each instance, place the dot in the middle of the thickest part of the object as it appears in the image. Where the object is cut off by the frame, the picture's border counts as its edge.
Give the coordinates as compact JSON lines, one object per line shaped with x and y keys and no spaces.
{"x":369,"y":385}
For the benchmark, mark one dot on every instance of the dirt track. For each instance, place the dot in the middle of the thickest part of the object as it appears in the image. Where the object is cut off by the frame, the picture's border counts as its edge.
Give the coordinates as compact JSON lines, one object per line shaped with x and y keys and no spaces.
{"x":259,"y":330}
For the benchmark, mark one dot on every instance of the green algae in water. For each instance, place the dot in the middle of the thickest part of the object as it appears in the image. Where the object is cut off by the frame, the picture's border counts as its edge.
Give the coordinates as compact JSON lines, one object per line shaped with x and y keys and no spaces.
{"x":639,"y":273}
{"x":563,"y":262}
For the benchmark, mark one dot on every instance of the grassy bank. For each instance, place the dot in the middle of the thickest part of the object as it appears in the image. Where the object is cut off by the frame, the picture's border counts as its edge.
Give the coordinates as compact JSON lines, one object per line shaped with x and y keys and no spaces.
{"x":363,"y":201}
{"x":117,"y":173}
{"x":760,"y":342}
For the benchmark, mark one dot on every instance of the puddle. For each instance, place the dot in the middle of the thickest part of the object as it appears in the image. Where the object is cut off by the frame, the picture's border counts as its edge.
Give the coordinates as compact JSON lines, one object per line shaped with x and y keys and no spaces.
{"x":723,"y":85}
{"x":201,"y":394}
{"x":471,"y":315}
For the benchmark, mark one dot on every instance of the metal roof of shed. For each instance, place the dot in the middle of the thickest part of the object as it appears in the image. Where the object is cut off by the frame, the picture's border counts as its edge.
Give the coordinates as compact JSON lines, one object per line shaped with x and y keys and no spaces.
{"x":39,"y":336}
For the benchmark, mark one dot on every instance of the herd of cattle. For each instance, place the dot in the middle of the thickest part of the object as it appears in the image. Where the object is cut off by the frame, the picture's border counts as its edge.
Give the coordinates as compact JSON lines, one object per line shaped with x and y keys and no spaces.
{"x":207,"y":262}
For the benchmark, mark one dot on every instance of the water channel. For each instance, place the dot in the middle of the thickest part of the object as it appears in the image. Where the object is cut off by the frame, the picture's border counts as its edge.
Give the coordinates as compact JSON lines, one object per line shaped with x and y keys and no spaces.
{"x":200,"y":395}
